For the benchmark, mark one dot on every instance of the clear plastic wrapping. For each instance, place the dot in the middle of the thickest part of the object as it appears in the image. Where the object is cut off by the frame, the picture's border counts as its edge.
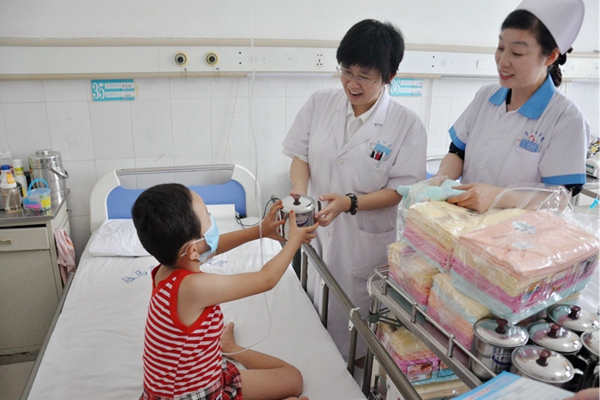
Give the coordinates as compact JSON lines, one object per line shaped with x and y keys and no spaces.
{"x":415,"y":360}
{"x":432,"y":227}
{"x":523,"y":265}
{"x":453,"y":310}
{"x":411,"y":272}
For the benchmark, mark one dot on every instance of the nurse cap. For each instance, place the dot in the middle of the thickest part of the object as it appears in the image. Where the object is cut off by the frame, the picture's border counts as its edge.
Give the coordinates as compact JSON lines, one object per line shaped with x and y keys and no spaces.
{"x":563,"y":18}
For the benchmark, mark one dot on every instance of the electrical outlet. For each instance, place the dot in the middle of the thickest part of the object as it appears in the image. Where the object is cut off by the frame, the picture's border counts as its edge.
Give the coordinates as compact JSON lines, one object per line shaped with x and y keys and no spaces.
{"x":319,"y":59}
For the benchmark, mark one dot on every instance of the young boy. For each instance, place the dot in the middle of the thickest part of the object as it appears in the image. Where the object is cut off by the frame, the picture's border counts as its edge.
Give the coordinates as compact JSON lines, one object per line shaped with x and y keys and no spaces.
{"x":185,"y":337}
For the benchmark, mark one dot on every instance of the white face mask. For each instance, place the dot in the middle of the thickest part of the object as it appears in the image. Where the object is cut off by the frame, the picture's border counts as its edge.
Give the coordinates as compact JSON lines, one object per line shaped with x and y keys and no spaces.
{"x":211,"y":237}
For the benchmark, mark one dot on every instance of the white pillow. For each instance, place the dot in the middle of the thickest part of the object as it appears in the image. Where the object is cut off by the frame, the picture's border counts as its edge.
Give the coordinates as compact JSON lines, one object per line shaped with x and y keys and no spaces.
{"x":116,"y":237}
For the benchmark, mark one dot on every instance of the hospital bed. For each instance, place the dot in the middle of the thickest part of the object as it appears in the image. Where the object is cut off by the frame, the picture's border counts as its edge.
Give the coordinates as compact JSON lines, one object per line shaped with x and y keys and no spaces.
{"x":94,"y":347}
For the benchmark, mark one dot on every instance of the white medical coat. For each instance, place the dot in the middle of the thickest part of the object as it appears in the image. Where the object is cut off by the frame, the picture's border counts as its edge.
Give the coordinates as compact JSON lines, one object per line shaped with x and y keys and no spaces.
{"x":352,"y":246}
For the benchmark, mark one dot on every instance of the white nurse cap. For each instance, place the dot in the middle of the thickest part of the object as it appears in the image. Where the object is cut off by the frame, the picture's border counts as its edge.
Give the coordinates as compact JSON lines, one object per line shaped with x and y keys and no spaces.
{"x":563,"y":18}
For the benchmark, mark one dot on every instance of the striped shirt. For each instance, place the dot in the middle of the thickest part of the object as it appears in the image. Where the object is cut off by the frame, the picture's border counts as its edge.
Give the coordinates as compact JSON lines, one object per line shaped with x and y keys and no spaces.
{"x":179,"y":359}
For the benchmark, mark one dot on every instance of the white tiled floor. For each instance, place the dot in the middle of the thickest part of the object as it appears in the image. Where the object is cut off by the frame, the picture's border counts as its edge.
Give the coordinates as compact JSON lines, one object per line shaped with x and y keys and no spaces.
{"x":13,"y":378}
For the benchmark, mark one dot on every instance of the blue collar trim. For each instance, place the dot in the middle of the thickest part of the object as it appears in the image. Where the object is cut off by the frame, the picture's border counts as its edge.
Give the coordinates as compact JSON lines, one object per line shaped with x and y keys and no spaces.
{"x":537,"y":103}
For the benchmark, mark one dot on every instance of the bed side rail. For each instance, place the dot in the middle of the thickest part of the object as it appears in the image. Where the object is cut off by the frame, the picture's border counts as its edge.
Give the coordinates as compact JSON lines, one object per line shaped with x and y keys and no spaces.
{"x":40,"y":356}
{"x":359,"y":326}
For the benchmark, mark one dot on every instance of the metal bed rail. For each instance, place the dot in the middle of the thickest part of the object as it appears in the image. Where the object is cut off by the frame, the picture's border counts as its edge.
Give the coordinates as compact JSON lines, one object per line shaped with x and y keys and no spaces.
{"x":38,"y":360}
{"x":358,"y":326}
{"x":457,"y":361}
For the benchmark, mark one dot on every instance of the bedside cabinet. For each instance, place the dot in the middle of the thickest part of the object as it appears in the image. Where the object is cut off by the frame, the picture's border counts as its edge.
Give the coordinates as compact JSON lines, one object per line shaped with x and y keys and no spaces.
{"x":30,"y":283}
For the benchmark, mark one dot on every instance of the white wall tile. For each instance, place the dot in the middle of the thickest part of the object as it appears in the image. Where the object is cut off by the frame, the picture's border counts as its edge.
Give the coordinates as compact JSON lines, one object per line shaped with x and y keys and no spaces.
{"x":412,"y":103}
{"x":442,"y":87}
{"x":66,"y":90}
{"x":268,"y":125}
{"x":292,"y":106}
{"x":191,"y":127}
{"x":70,"y":132}
{"x":21,"y":92}
{"x":458,"y":106}
{"x":80,"y":232}
{"x":199,"y":159}
{"x":266,"y":86}
{"x":228,"y":87}
{"x":148,"y":89}
{"x":303,"y":86}
{"x":26,"y":128}
{"x":438,"y":122}
{"x":111,"y":129}
{"x":103,"y":167}
{"x":271,"y":175}
{"x":229,"y":126}
{"x":190,"y":88}
{"x":82,"y":178}
{"x":3,"y":138}
{"x":151,"y":128}
{"x":333,"y":82}
{"x":466,"y":87}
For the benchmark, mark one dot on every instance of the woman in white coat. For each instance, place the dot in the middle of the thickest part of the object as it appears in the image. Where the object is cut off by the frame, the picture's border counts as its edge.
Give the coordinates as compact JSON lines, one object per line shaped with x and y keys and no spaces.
{"x":351,"y":148}
{"x":522,"y":130}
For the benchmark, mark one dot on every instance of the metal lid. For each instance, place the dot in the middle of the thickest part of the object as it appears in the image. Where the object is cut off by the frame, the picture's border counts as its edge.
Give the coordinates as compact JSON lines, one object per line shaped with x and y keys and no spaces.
{"x":573,"y":317}
{"x":554,"y":337}
{"x":300,"y":205}
{"x":590,"y":341}
{"x":497,"y":332}
{"x":45,"y":157}
{"x":542,"y":364}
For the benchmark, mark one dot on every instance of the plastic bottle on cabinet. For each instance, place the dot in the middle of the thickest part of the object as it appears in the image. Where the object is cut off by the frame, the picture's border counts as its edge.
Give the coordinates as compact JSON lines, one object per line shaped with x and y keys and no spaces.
{"x":20,"y":175}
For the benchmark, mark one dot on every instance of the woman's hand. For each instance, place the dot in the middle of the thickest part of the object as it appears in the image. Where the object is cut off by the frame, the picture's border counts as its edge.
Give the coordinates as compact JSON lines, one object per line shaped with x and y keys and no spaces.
{"x":298,"y":235}
{"x":587,"y":394}
{"x":477,"y":196}
{"x":337,"y":204}
{"x":270,"y":224}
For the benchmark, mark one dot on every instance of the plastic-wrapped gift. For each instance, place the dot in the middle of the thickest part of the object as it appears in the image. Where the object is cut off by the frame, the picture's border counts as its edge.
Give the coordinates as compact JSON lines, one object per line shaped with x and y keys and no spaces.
{"x":416,"y":361}
{"x":521,"y":266}
{"x":411,"y":272}
{"x":432,"y":227}
{"x":453,"y":310}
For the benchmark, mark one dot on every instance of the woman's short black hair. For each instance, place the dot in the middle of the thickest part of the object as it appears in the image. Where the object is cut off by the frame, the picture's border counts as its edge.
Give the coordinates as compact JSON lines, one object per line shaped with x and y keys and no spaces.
{"x":525,"y":20}
{"x":373,"y":45}
{"x":165,"y":220}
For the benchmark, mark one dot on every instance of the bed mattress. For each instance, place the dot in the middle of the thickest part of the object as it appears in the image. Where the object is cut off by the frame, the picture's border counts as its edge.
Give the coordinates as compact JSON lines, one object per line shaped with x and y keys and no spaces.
{"x":96,"y":348}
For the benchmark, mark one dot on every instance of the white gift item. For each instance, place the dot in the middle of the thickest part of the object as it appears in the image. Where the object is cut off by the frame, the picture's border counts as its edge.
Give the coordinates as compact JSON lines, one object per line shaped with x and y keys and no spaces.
{"x":563,"y":18}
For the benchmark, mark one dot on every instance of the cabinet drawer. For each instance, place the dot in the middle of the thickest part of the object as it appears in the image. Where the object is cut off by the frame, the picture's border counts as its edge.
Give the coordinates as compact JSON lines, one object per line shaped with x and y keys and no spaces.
{"x":20,"y":239}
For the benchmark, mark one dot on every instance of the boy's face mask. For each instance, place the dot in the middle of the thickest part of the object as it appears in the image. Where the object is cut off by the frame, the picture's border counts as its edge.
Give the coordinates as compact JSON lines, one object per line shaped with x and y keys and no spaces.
{"x":212,"y":240}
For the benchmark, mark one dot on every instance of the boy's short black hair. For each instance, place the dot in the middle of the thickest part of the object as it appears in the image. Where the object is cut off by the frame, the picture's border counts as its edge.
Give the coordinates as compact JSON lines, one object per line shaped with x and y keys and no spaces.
{"x":165,"y":220}
{"x":374,"y":45}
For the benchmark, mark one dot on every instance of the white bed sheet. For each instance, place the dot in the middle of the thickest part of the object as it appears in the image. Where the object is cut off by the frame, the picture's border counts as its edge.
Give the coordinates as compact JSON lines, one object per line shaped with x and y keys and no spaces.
{"x":96,"y":348}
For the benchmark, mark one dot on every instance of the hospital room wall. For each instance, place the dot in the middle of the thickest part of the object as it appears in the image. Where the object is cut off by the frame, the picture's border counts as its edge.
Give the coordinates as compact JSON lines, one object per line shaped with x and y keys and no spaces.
{"x":198,"y":120}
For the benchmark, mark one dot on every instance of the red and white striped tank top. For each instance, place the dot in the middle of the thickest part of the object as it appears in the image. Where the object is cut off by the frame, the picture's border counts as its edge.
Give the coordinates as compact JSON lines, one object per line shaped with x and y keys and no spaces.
{"x":180,"y":359}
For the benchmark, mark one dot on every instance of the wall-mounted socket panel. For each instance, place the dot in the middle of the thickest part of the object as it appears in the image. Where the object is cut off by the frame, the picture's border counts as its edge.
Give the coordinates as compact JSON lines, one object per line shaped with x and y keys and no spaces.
{"x":22,"y":61}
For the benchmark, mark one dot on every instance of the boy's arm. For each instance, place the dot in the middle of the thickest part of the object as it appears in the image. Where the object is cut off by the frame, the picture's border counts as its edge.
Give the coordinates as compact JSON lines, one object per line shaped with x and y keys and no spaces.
{"x":231,"y":240}
{"x":208,"y":289}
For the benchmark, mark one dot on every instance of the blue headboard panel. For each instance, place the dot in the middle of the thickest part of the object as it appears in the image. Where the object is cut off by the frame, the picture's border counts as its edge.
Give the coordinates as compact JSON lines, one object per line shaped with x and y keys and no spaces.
{"x":120,"y":200}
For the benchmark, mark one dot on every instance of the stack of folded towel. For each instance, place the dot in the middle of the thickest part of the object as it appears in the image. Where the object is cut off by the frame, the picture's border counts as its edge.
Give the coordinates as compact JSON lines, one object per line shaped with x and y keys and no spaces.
{"x":432,"y":227}
{"x":521,"y":266}
{"x":411,"y":272}
{"x":454,"y":311}
{"x":416,"y":361}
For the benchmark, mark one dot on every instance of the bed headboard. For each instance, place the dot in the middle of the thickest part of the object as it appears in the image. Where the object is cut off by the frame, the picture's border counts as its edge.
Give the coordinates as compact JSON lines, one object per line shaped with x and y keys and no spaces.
{"x":110,"y":200}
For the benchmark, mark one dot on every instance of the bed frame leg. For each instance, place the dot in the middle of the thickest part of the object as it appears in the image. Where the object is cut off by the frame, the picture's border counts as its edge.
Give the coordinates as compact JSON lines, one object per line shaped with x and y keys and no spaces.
{"x":324,"y":303}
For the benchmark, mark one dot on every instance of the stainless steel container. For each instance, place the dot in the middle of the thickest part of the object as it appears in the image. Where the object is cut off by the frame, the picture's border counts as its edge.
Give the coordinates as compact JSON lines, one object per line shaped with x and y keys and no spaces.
{"x":542,"y":365}
{"x":573,"y":317}
{"x":495,"y":341}
{"x":304,"y":207}
{"x":47,"y":164}
{"x":587,"y":359}
{"x":554,"y":337}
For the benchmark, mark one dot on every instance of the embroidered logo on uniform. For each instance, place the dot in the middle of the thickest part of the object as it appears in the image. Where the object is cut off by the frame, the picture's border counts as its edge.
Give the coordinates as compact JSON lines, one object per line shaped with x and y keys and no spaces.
{"x":531,"y":141}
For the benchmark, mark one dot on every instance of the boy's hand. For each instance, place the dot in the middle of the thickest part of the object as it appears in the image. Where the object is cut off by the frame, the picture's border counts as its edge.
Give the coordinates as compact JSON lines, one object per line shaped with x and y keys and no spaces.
{"x":270,"y":223}
{"x":297,"y":235}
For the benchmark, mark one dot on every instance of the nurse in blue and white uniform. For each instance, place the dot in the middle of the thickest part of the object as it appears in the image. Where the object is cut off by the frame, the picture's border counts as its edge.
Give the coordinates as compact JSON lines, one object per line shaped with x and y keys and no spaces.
{"x":522,"y":130}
